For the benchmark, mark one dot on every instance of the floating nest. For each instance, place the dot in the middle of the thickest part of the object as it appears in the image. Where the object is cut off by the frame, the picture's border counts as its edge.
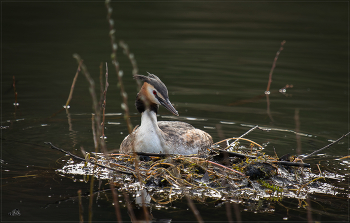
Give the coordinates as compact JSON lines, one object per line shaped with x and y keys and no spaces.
{"x":228,"y":171}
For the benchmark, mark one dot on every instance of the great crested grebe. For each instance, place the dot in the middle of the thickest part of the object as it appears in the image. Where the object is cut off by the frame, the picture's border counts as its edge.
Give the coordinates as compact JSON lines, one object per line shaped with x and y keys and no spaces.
{"x":168,"y":137}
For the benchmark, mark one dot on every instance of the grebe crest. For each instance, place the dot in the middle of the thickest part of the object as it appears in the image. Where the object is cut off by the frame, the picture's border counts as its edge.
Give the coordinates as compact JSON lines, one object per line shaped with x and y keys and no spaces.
{"x":169,"y":137}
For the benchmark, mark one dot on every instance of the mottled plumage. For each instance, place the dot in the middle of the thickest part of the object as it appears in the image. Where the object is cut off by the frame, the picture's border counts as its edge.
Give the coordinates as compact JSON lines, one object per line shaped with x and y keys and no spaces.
{"x":169,"y":137}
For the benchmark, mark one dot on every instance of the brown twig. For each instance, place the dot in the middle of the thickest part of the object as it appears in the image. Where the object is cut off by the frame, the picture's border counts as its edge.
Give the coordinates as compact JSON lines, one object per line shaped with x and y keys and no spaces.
{"x":73,"y":84}
{"x":273,"y":67}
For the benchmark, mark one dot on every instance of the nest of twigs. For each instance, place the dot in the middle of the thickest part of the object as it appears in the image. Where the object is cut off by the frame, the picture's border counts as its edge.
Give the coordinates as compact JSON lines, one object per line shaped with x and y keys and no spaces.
{"x":228,"y":171}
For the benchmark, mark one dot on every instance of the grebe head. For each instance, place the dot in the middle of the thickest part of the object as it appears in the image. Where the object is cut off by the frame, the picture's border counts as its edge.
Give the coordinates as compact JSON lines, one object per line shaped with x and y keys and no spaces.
{"x":154,"y":91}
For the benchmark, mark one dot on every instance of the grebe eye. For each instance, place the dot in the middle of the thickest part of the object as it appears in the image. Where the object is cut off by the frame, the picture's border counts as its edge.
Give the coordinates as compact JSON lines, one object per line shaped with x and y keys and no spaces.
{"x":154,"y":92}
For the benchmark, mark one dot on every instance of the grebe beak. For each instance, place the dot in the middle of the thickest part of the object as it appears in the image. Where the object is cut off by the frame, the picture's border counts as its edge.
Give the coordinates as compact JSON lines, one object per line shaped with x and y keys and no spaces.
{"x":167,"y":104}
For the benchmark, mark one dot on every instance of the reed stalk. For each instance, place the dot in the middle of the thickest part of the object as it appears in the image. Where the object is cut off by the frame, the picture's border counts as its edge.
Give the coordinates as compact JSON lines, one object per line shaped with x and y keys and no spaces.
{"x":73,"y":84}
{"x":273,"y":67}
{"x":81,"y":218}
{"x":115,"y":62}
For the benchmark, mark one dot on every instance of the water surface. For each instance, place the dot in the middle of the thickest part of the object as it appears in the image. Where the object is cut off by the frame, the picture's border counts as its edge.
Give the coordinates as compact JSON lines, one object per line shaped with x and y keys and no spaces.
{"x":214,"y":58}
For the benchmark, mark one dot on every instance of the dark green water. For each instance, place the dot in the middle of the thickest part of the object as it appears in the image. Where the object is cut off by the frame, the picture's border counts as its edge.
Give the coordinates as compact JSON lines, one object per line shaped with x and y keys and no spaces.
{"x":214,"y":57}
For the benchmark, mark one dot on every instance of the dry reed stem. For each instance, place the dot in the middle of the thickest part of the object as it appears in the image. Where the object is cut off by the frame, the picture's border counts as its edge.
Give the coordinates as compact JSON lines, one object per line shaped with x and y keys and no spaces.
{"x":101,"y":84}
{"x":217,"y":164}
{"x":232,"y":144}
{"x":116,"y":65}
{"x":237,"y":212}
{"x":327,"y":146}
{"x":94,"y":136}
{"x":273,"y":67}
{"x":239,"y":139}
{"x":72,"y":133}
{"x":232,"y":170}
{"x":228,"y":211}
{"x":84,"y":160}
{"x":81,"y":219}
{"x":309,"y":210}
{"x":104,"y":104}
{"x":124,"y":105}
{"x":115,"y":201}
{"x":95,"y":105}
{"x":91,"y":198}
{"x":131,"y":57}
{"x":15,"y":91}
{"x":194,"y":209}
{"x":297,"y":130}
{"x":73,"y":84}
{"x":268,"y":111}
{"x":129,"y":207}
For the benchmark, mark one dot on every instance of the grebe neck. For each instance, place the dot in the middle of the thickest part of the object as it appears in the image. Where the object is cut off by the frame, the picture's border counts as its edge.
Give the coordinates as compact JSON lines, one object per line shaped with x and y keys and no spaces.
{"x":149,"y":119}
{"x":141,"y":107}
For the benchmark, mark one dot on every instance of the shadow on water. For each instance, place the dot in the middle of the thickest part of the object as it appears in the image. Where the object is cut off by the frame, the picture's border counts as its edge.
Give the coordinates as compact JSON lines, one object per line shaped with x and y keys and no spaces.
{"x":214,"y":58}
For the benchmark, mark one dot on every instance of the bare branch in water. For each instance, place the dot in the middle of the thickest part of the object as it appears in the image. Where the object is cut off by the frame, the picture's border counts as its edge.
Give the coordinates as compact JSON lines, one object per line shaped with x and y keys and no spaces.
{"x":273,"y":67}
{"x":73,"y":84}
{"x":327,"y":146}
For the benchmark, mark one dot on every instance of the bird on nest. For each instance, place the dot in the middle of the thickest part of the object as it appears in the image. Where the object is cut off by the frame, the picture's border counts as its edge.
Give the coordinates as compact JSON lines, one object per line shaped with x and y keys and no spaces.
{"x":167,"y":137}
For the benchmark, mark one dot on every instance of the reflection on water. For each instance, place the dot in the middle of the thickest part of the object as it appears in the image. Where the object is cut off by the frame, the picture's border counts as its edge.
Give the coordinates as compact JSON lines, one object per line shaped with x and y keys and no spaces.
{"x":214,"y":59}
